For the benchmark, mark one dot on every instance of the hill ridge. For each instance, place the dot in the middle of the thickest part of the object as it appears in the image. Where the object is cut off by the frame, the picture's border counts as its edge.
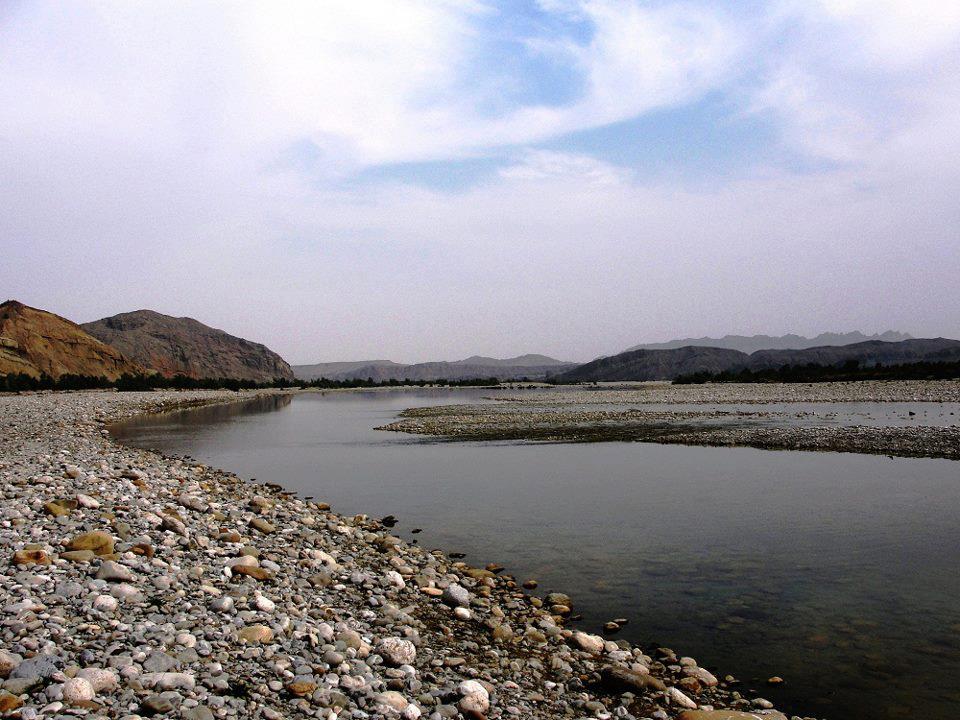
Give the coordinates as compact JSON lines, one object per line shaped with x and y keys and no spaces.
{"x":790,"y":341}
{"x":38,"y":342}
{"x":667,"y":364}
{"x":183,"y":345}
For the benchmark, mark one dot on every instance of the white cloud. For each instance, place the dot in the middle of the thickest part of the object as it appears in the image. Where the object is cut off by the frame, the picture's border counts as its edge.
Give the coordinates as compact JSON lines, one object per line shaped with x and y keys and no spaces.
{"x":371,"y":82}
{"x":850,"y":76}
{"x":896,"y":33}
{"x":145,"y":161}
{"x":541,"y":166}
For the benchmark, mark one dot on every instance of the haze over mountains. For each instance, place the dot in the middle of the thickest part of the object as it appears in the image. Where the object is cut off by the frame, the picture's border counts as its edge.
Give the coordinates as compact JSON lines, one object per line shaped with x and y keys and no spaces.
{"x":669,"y":363}
{"x":752,"y":343}
{"x":35,"y":342}
{"x":476,"y":366}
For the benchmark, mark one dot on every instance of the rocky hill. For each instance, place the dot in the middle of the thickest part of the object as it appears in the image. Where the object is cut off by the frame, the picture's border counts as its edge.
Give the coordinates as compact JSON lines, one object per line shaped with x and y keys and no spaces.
{"x":872,"y":352}
{"x":185,"y":346}
{"x":336,"y":370}
{"x":656,"y":364}
{"x":38,"y":342}
{"x":668,"y":364}
{"x":752,"y":343}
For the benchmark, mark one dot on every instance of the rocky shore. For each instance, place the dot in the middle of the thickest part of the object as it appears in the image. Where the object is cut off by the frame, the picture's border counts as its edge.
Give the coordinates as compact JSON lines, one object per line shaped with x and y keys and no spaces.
{"x":582,"y":415}
{"x":135,"y":585}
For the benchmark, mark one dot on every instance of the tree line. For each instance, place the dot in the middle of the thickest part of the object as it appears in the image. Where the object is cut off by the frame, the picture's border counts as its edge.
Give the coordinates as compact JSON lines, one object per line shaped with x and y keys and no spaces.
{"x":811,"y":372}
{"x":21,"y":382}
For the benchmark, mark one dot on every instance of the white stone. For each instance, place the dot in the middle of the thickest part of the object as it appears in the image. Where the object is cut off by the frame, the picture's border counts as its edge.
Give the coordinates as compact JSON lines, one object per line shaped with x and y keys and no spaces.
{"x":168,"y":681}
{"x":588,"y":643}
{"x":392,"y":699}
{"x":86,"y":501}
{"x":77,"y":690}
{"x":397,"y":651}
{"x":105,"y":603}
{"x":705,"y":677}
{"x":469,"y":687}
{"x":264,"y":604}
{"x":101,"y":679}
{"x":411,"y":712}
{"x":676,"y":696}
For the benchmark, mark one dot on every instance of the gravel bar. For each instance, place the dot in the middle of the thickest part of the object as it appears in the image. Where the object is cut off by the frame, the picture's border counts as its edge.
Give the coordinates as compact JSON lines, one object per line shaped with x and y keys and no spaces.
{"x":568,"y":415}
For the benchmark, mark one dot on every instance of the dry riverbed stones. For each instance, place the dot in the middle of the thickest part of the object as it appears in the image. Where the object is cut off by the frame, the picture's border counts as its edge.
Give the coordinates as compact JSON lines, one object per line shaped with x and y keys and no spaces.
{"x":142,"y":586}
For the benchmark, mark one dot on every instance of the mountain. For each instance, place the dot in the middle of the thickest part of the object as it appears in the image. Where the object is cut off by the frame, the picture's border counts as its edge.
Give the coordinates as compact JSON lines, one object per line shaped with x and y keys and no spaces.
{"x":35,"y":341}
{"x":529,"y":360}
{"x":668,"y":364}
{"x":330,"y":370}
{"x":752,"y":343}
{"x":656,"y":364}
{"x":471,"y":368}
{"x":185,"y":346}
{"x":871,"y":352}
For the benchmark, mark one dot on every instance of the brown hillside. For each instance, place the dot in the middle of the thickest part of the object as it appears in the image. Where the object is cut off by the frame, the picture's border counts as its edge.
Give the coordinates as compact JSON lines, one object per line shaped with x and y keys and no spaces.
{"x":185,"y":346}
{"x":34,"y":341}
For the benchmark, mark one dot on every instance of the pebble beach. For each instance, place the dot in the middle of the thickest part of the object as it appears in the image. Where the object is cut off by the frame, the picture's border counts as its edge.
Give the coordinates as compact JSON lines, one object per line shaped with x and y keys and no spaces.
{"x":136,"y":585}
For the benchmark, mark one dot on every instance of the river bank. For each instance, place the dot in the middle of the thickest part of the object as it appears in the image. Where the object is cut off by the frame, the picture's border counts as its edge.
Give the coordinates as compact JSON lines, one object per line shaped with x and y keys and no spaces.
{"x":767,"y":416}
{"x":140,"y":585}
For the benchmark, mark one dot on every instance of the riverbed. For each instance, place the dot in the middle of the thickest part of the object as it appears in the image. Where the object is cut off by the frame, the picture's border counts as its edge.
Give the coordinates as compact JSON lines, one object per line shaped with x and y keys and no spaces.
{"x":833,"y":571}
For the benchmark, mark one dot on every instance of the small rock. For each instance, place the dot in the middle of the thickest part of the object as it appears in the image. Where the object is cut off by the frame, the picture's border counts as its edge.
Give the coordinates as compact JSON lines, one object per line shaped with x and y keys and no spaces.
{"x":114,"y":572}
{"x":78,"y":690}
{"x":31,"y":555}
{"x":588,"y":643}
{"x":99,"y":542}
{"x":255,"y":634}
{"x":397,"y":651}
{"x":262,"y":526}
{"x":455,"y":594}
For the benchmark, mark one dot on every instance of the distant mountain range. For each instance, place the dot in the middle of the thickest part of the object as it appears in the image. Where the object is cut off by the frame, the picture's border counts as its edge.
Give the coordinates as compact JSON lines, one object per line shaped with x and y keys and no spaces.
{"x":471,"y":368}
{"x":667,"y":364}
{"x":36,"y":342}
{"x":752,"y":343}
{"x":173,"y":346}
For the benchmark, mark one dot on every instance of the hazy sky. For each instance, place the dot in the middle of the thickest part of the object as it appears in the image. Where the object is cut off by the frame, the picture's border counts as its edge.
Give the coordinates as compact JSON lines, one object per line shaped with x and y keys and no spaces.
{"x":428,"y":180}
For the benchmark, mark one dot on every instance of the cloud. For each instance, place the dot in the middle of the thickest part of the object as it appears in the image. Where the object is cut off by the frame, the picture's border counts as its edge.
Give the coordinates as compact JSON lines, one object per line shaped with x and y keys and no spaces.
{"x":850,"y":76}
{"x":541,"y":166}
{"x":205,"y":159}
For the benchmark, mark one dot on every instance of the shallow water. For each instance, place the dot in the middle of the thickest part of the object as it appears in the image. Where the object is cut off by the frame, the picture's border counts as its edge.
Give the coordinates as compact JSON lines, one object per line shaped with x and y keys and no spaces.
{"x":836,"y":571}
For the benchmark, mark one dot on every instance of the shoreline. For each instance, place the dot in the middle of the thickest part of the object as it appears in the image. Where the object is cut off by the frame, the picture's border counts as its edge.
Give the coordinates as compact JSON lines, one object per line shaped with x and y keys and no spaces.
{"x":221,"y":597}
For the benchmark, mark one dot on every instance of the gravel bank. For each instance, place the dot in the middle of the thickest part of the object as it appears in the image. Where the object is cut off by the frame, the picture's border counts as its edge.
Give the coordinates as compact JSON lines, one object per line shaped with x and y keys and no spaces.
{"x":135,"y":585}
{"x":710,"y":393}
{"x":570,"y":415}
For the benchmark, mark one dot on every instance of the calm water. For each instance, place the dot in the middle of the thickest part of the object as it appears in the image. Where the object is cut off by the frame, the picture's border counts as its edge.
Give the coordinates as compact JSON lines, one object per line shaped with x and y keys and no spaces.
{"x":837,"y":572}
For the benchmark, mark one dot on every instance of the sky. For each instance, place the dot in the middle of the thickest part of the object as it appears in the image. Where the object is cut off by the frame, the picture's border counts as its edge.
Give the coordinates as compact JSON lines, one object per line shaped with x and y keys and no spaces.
{"x":421,"y":180}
